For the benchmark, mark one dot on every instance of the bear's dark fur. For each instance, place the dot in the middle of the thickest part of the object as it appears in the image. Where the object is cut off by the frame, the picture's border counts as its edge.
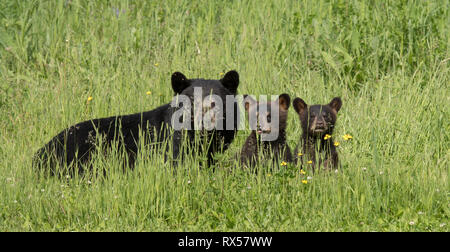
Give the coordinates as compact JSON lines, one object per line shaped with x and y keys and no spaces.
{"x":317,"y":122}
{"x":254,"y":145}
{"x":74,"y":146}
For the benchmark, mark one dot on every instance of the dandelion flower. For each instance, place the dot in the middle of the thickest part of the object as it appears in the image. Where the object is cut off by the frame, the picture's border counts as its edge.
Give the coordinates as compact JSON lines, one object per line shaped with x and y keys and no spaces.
{"x":336,"y":144}
{"x":283,"y":163}
{"x":299,"y":154}
{"x":269,"y":175}
{"x":221,"y":74}
{"x":302,"y":172}
{"x":149,"y":92}
{"x":326,"y":137}
{"x":411,"y":223}
{"x":90,"y":98}
{"x":347,"y":137}
{"x":156,"y":64}
{"x":310,"y":162}
{"x":305,"y":181}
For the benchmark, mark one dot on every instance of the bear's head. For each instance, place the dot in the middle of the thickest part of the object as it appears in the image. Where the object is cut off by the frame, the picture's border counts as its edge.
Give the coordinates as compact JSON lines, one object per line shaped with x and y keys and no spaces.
{"x":205,"y":104}
{"x":317,"y":120}
{"x":268,"y":118}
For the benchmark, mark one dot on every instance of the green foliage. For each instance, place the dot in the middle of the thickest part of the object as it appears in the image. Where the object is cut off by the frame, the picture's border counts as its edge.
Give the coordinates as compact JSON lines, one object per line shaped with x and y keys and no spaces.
{"x":388,"y":60}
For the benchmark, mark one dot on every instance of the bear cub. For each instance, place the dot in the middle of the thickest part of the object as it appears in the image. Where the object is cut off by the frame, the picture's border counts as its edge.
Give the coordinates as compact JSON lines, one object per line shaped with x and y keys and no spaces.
{"x":268,"y":137}
{"x":317,"y":122}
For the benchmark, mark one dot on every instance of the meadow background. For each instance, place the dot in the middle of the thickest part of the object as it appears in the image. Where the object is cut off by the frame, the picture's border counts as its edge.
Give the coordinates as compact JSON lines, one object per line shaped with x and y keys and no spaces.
{"x":388,"y":60}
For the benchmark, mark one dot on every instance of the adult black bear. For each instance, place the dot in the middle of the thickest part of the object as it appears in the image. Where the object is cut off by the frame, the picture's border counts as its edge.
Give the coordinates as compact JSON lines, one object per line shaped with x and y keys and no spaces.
{"x":268,"y":136}
{"x":317,"y":122}
{"x":75,"y":146}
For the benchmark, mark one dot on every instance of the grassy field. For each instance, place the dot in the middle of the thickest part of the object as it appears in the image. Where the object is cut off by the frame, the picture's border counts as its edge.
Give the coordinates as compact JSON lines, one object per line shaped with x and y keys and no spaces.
{"x":388,"y":60}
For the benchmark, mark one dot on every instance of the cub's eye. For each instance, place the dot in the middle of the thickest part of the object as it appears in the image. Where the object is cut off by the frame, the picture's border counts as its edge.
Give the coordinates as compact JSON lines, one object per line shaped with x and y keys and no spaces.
{"x":268,"y":119}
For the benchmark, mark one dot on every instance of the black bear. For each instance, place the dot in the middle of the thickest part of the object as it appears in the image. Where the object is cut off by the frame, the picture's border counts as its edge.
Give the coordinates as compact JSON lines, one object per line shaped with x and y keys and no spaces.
{"x":317,"y":123}
{"x":268,"y":122}
{"x":74,"y":146}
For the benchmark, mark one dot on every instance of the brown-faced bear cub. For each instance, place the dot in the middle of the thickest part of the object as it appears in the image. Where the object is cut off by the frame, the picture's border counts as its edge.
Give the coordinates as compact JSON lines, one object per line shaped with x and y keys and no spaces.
{"x":317,"y":123}
{"x":268,"y":136}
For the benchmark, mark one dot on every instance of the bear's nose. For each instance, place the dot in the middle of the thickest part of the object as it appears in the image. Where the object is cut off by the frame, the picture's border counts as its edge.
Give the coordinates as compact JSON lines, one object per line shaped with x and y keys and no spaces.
{"x":320,"y":124}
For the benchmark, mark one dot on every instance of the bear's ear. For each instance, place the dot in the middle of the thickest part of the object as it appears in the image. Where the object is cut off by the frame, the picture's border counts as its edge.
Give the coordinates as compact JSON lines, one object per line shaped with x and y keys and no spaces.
{"x":248,"y":101}
{"x":299,"y":105}
{"x":179,"y":82}
{"x":284,"y":101}
{"x":336,"y":104}
{"x":231,"y":81}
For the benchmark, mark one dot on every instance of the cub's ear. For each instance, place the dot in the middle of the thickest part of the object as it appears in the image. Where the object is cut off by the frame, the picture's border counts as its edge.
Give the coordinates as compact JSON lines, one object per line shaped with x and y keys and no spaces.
{"x":231,"y":81}
{"x":248,"y":101}
{"x":179,"y":82}
{"x":336,"y":104}
{"x":284,"y":100}
{"x":299,"y":105}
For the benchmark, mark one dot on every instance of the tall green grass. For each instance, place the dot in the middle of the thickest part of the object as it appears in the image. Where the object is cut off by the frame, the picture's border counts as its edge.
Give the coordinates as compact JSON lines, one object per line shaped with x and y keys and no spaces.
{"x":388,"y":60}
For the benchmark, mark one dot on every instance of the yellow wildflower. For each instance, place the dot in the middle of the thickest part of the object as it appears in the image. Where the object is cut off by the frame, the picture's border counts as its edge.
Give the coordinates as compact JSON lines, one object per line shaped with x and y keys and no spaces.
{"x":269,"y":175}
{"x":300,"y":154}
{"x":302,"y":172}
{"x":149,"y":92}
{"x":221,"y":74}
{"x":347,"y":137}
{"x":283,"y":163}
{"x":305,"y":181}
{"x":326,"y":137}
{"x":310,"y":162}
{"x":156,"y":64}
{"x":336,"y":144}
{"x":89,"y":98}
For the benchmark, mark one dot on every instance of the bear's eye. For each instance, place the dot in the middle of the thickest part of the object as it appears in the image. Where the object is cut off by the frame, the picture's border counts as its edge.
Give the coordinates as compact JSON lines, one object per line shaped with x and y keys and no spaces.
{"x":269,"y":118}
